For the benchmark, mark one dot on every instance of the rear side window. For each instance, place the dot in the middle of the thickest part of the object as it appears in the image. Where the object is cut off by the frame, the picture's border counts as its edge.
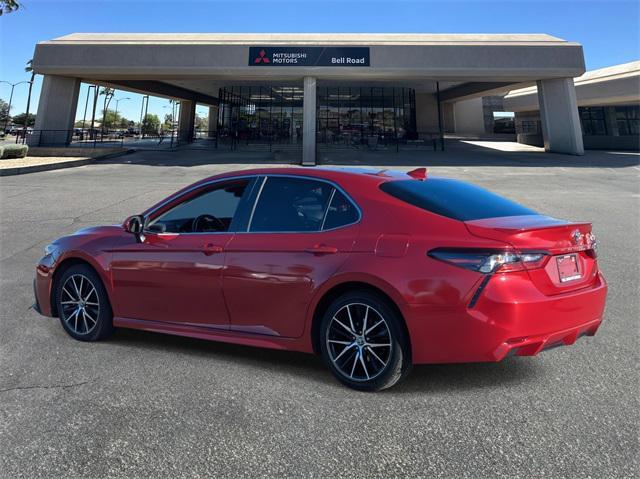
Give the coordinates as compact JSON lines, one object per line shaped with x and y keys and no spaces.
{"x":291,"y":204}
{"x":454,"y":199}
{"x":341,"y":212}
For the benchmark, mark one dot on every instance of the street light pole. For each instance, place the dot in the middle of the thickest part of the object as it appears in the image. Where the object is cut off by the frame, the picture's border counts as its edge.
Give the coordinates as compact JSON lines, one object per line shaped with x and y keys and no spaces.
{"x":118,"y":100}
{"x":13,"y":85}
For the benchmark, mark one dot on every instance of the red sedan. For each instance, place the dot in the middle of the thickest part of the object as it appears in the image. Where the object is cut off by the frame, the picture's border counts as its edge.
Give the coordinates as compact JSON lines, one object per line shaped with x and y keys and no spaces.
{"x":374,"y":270}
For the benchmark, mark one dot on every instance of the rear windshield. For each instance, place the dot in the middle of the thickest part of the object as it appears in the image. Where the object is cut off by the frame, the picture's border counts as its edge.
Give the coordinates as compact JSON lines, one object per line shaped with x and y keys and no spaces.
{"x":454,"y":199}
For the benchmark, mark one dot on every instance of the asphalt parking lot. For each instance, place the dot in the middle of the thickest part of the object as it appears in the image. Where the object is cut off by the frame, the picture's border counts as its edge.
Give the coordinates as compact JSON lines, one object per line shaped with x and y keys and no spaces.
{"x":148,"y":405}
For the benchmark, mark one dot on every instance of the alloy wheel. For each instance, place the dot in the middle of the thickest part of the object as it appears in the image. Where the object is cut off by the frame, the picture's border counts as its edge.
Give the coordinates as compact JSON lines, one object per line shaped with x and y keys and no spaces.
{"x":359,"y":342}
{"x":80,"y":304}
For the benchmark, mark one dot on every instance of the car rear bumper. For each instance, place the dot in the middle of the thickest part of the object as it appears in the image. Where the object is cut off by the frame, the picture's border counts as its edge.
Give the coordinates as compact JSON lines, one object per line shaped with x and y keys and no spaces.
{"x":510,"y":317}
{"x":532,"y":345}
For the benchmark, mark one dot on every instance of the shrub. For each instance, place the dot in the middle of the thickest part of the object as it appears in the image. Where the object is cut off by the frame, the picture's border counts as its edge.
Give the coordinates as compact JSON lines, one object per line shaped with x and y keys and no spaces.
{"x":1,"y":151}
{"x":14,"y":151}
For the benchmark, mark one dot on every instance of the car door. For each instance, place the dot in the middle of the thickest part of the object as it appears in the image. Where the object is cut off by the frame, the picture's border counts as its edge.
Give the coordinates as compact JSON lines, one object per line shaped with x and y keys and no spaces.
{"x":300,"y":232}
{"x":175,"y":273}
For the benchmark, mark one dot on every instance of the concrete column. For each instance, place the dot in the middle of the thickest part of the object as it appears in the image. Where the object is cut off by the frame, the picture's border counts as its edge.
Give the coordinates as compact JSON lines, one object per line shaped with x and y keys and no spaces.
{"x":186,"y":120}
{"x":559,"y":116}
{"x":213,"y":121}
{"x":309,"y":122}
{"x":449,"y":117}
{"x":56,"y":111}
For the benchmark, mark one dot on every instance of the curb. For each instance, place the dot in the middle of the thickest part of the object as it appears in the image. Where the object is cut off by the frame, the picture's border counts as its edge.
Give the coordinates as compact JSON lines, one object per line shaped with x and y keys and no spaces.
{"x":21,"y":170}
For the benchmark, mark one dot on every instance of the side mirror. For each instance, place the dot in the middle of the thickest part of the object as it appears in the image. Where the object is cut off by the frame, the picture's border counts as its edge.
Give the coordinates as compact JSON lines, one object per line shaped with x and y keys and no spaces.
{"x":135,"y":226}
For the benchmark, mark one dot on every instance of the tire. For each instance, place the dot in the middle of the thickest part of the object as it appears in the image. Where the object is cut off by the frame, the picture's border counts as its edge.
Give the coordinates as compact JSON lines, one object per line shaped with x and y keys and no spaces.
{"x":89,"y":318}
{"x":360,"y":359}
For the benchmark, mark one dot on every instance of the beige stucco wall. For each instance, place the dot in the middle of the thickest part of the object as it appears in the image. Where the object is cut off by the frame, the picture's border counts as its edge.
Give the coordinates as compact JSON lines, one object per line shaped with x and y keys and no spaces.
{"x":479,"y":57}
{"x":426,"y":113}
{"x":468,"y":116}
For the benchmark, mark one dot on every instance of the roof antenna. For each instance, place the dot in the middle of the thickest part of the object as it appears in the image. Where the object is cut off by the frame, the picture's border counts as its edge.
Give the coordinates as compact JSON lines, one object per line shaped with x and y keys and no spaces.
{"x":418,"y":174}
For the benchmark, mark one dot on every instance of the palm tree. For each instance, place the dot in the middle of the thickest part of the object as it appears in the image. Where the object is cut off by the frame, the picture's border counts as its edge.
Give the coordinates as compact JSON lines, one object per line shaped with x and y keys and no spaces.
{"x":29,"y":69}
{"x":8,"y":6}
{"x":108,"y":95}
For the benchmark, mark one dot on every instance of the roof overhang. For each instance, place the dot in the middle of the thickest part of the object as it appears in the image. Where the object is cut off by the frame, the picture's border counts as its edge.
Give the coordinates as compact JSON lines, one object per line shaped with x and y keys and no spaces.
{"x":613,"y":85}
{"x":506,"y":59}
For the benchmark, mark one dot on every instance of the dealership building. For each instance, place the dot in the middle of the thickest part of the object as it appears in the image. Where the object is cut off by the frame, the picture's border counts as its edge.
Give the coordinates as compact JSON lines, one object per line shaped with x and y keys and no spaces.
{"x":317,"y":89}
{"x":608,"y":106}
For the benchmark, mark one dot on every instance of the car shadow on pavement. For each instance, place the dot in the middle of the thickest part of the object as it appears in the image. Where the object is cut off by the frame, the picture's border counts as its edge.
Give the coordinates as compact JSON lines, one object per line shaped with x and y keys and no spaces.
{"x":423,"y":378}
{"x":437,"y":378}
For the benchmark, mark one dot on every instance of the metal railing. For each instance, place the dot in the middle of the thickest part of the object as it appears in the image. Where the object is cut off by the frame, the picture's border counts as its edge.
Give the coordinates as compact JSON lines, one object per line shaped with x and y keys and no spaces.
{"x":254,"y":140}
{"x":225,"y":140}
{"x":78,"y":138}
{"x":382,"y":142}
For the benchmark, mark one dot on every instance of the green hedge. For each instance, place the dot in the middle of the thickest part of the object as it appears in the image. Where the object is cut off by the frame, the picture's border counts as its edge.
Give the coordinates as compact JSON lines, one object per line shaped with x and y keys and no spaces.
{"x":13,"y":151}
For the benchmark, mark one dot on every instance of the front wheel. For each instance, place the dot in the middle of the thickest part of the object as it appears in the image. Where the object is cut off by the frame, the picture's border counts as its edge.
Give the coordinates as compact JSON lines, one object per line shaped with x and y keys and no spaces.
{"x":83,"y":305}
{"x":363,"y":342}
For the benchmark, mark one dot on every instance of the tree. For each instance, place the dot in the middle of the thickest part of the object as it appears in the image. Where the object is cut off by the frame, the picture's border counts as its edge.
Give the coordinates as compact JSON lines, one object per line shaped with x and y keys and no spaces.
{"x":111,"y":119}
{"x":20,"y":119}
{"x":150,"y":124}
{"x":8,"y":6}
{"x":29,"y":69}
{"x":168,"y":122}
{"x":202,"y":123}
{"x":4,"y":111}
{"x":108,"y":95}
{"x":124,"y":123}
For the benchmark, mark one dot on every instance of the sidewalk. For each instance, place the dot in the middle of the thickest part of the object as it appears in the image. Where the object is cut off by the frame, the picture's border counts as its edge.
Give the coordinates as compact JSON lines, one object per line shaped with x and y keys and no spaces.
{"x":37,"y":162}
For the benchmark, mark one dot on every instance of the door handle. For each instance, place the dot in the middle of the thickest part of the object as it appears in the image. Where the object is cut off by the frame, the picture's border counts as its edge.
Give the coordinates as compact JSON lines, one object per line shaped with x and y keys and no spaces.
{"x":211,"y":248}
{"x":322,"y":249}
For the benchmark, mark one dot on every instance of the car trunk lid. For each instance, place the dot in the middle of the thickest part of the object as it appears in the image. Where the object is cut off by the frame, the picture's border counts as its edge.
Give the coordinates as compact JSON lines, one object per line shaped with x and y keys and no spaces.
{"x":571,"y":248}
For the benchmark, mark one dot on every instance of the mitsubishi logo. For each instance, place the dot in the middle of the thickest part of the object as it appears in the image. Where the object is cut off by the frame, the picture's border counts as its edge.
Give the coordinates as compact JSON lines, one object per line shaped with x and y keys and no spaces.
{"x":262,"y":58}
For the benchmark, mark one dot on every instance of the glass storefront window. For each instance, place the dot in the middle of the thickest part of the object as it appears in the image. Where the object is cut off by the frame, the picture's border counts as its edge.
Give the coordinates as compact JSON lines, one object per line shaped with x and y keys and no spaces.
{"x":592,"y":120}
{"x":628,"y":120}
{"x":348,"y":116}
{"x":263,"y":114}
{"x":355,"y":116}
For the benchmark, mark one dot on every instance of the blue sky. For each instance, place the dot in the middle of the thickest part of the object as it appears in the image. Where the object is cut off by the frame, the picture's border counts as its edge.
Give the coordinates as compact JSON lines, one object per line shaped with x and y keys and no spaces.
{"x":608,"y":30}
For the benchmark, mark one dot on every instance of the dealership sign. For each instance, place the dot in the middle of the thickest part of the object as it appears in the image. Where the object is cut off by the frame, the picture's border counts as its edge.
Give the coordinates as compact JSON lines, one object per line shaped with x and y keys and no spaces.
{"x":309,"y":56}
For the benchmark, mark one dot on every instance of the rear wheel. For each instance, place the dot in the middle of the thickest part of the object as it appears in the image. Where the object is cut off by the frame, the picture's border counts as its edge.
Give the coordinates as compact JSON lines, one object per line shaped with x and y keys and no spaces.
{"x":83,"y":305}
{"x":363,"y":342}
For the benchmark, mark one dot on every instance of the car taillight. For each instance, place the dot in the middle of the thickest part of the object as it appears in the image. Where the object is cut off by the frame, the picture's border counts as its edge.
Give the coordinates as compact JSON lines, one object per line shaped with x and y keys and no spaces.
{"x":490,"y":261}
{"x":592,"y":242}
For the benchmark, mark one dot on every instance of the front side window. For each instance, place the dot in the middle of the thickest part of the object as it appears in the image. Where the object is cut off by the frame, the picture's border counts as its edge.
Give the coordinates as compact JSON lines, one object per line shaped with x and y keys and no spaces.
{"x":291,"y":204}
{"x":209,"y":211}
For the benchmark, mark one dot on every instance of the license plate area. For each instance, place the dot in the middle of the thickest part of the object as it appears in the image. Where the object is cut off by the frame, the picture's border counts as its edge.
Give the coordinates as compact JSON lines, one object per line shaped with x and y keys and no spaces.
{"x":568,"y":267}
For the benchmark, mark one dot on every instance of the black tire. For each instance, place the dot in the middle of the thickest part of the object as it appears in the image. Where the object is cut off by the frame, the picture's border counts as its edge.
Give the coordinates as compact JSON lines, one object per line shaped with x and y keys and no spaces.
{"x":78,"y":319}
{"x":377,"y":367}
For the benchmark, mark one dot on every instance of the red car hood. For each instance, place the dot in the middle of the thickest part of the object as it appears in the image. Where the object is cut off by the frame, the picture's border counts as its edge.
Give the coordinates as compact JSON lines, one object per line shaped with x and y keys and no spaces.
{"x":100,"y":230}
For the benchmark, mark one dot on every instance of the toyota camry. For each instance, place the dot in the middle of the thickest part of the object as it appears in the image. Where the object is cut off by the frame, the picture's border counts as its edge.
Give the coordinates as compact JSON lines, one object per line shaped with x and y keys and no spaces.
{"x":373,"y":270}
